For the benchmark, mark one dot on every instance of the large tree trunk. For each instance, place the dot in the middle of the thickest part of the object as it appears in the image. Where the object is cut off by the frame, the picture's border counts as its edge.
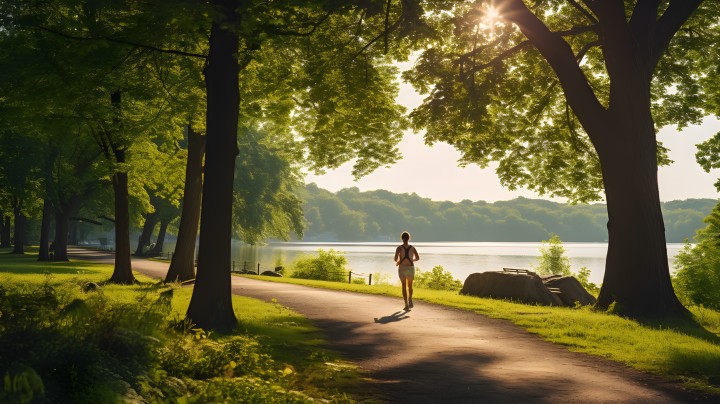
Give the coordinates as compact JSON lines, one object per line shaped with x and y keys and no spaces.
{"x":44,"y":250}
{"x":211,"y":302}
{"x":637,"y":276}
{"x":158,"y":247}
{"x":62,"y":230}
{"x":151,"y":220}
{"x":122,"y":272}
{"x":5,"y":236}
{"x":63,"y":212}
{"x":182,"y":267}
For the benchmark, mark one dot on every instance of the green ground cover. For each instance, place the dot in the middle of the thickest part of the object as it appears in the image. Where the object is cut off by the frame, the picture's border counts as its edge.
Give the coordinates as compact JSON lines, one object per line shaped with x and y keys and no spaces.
{"x":130,"y":343}
{"x":688,"y":352}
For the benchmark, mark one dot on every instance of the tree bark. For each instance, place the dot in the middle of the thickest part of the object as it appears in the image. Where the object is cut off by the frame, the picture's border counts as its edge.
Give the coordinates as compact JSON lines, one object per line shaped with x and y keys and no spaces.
{"x":160,"y":241}
{"x":122,"y":273}
{"x":62,"y":230}
{"x":5,"y":236}
{"x":151,"y":220}
{"x":44,"y":250}
{"x":182,"y":266}
{"x":637,"y":277}
{"x":211,"y":303}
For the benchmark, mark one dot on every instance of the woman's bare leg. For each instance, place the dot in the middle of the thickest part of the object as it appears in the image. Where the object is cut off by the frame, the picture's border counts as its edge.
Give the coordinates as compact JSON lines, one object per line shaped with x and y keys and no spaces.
{"x":403,"y":282}
{"x":409,"y":282}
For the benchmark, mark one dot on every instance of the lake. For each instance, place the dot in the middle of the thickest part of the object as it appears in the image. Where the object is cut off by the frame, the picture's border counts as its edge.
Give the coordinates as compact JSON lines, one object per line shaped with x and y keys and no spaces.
{"x":461,"y":259}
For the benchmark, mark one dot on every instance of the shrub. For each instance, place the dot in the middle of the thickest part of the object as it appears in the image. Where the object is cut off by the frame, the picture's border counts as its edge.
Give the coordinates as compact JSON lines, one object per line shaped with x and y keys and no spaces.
{"x":697,"y":280}
{"x":583,"y":276}
{"x":59,"y":348}
{"x":326,"y":266}
{"x":553,"y":260}
{"x":438,"y":279}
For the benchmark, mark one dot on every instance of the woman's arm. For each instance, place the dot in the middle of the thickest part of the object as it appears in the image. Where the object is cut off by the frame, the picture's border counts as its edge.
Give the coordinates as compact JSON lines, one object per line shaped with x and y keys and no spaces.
{"x":416,"y":256}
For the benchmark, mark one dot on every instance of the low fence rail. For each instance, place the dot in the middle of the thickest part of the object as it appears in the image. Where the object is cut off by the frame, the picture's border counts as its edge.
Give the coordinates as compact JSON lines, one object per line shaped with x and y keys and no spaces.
{"x":248,"y":267}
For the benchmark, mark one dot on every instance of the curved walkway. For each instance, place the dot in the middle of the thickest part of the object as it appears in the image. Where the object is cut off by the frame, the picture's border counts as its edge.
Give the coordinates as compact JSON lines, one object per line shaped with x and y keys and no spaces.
{"x":435,"y":354}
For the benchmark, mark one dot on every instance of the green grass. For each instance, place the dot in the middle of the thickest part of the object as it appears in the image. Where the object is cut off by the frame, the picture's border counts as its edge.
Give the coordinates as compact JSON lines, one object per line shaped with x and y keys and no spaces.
{"x":687,"y":351}
{"x":275,"y":354}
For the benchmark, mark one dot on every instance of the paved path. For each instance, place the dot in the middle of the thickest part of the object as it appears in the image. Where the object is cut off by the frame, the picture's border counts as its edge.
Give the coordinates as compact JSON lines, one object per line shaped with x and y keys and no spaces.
{"x":434,"y":354}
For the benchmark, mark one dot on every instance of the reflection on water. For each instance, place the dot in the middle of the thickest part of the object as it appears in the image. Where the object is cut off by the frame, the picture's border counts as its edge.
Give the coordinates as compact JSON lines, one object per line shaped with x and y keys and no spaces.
{"x":461,"y":259}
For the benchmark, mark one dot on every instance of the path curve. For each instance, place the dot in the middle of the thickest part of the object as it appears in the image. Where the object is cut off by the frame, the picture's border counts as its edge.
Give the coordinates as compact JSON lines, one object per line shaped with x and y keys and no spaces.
{"x":435,"y":354}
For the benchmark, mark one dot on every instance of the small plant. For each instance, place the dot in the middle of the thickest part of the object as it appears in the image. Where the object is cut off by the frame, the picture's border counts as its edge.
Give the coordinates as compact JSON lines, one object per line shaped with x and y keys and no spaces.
{"x":583,"y":276}
{"x":437,"y":279}
{"x":553,"y":260}
{"x":381,"y":278}
{"x":326,"y":266}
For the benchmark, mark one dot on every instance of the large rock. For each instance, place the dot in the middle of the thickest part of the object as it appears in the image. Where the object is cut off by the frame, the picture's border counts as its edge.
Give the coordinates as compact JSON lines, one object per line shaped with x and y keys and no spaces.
{"x":522,"y":287}
{"x":571,"y":290}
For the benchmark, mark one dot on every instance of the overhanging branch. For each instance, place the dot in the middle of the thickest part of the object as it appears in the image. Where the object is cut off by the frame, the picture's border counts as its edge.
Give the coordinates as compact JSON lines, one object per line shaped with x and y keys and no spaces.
{"x":124,"y":42}
{"x":277,"y":30}
{"x":583,"y":11}
{"x":677,"y":13}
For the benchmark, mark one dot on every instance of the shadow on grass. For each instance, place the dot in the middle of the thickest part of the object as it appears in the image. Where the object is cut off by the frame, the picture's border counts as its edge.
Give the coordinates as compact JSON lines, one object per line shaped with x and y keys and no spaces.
{"x":687,"y":326}
{"x":29,"y":265}
{"x":282,"y":334}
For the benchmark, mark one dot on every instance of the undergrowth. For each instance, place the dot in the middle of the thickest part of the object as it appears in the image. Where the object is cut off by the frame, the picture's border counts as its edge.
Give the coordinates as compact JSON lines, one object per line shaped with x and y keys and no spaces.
{"x":129,"y":344}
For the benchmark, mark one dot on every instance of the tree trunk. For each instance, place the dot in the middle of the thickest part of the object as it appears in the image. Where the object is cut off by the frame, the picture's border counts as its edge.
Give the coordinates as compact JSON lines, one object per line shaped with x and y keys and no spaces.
{"x":151,"y":220}
{"x":62,"y":229}
{"x":44,"y":250}
{"x":19,"y":233}
{"x":637,"y":276}
{"x":182,"y":267}
{"x":157,"y":248}
{"x":122,"y":272}
{"x":211,"y":302}
{"x":5,"y":236}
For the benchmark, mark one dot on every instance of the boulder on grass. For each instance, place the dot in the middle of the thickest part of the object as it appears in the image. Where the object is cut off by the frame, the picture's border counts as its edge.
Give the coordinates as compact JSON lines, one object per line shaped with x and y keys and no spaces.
{"x":571,"y":290}
{"x":522,"y":287}
{"x":271,"y":273}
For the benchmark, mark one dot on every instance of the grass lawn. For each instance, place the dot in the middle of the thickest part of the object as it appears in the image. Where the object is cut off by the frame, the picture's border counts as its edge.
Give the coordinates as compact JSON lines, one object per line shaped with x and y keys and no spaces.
{"x":688,"y":352}
{"x":131,"y":343}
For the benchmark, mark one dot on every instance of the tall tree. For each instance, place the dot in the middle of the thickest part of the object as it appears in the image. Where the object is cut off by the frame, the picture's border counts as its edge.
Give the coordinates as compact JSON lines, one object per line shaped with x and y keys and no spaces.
{"x":182,"y":266}
{"x":566,"y":96}
{"x":341,"y":102}
{"x":211,"y":304}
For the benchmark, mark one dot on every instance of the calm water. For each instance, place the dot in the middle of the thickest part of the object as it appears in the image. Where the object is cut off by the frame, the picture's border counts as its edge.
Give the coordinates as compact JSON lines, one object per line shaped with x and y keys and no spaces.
{"x":461,"y":259}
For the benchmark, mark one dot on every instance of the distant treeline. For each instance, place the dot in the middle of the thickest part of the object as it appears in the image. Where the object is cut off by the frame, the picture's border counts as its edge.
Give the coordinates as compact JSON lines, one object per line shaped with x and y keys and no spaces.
{"x":351,"y":215}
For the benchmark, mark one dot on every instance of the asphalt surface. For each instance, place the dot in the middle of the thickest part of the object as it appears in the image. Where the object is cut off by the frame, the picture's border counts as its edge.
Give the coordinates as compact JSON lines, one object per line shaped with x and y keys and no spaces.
{"x":434,"y":354}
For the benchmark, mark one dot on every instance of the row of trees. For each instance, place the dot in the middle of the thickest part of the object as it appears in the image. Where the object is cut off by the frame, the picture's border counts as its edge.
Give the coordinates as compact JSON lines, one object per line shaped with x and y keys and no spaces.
{"x":351,"y":215}
{"x":315,"y":79}
{"x":95,"y":96}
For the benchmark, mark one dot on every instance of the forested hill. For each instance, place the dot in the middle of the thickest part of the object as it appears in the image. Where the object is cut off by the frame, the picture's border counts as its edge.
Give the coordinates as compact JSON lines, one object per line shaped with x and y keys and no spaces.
{"x":351,"y":215}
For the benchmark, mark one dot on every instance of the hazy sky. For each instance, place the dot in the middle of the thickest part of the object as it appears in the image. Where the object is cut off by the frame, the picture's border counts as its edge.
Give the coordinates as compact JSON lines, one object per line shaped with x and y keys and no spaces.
{"x":433,"y":172}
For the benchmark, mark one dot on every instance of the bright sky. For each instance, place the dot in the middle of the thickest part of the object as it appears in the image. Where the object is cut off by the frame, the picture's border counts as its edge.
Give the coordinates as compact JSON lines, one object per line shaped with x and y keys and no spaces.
{"x":432,"y":172}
